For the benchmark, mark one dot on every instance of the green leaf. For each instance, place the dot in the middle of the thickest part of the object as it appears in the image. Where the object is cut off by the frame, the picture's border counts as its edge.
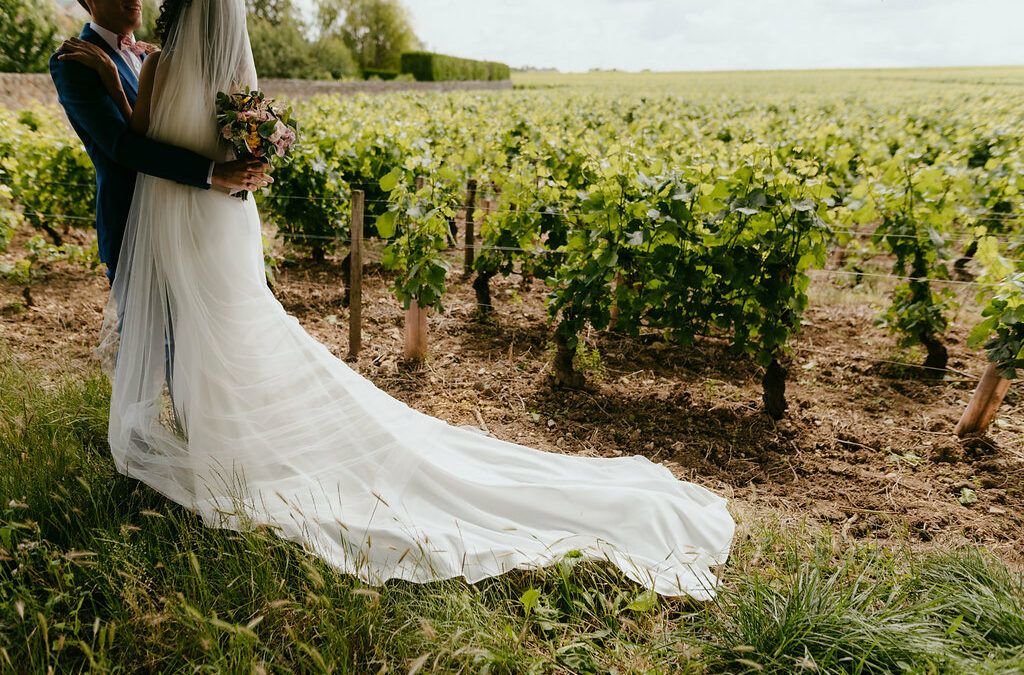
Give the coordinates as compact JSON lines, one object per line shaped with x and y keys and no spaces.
{"x":609,"y":258}
{"x":386,"y":225}
{"x":529,"y":600}
{"x":645,"y":602}
{"x":390,"y":180}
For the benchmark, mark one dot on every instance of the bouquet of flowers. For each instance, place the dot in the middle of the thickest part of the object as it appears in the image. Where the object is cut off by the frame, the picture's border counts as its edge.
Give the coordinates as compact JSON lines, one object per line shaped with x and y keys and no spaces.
{"x":256,"y":126}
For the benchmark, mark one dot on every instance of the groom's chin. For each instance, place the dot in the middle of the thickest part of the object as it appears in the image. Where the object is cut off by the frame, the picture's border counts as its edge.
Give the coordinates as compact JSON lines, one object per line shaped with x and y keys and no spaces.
{"x":133,"y":13}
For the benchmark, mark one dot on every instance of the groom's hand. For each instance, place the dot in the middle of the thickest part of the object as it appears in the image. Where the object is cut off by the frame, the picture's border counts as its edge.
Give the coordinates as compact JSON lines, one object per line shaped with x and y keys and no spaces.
{"x":242,"y":174}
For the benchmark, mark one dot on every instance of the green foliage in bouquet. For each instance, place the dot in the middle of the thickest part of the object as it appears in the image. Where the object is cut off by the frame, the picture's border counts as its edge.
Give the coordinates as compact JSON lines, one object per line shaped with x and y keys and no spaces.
{"x":256,"y":126}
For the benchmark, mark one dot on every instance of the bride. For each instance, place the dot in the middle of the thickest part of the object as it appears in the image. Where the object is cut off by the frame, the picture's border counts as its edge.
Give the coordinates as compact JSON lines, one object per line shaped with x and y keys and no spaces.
{"x":265,"y":426}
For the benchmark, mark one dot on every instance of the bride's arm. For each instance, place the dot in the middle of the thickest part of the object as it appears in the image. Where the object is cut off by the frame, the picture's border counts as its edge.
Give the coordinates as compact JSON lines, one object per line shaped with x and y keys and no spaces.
{"x":90,"y":55}
{"x":139,"y":121}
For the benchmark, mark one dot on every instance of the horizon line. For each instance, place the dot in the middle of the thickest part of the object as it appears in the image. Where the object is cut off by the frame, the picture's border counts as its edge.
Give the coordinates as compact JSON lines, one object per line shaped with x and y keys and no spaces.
{"x":556,"y":71}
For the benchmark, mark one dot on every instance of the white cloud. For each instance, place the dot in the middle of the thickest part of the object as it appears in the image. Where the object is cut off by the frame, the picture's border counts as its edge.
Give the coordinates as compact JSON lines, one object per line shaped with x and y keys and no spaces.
{"x":726,"y":34}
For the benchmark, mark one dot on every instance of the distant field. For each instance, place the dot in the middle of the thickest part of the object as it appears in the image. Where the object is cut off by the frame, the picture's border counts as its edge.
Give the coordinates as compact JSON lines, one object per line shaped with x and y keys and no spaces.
{"x":780,"y":80}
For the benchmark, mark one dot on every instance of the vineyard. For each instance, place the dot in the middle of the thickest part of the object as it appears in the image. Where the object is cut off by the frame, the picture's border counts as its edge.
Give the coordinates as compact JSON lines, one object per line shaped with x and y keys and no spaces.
{"x":691,"y":217}
{"x":784,"y":286}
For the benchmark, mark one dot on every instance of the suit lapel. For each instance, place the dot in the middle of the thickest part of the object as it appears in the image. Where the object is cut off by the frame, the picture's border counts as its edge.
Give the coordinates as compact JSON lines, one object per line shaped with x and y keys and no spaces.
{"x":128,"y":79}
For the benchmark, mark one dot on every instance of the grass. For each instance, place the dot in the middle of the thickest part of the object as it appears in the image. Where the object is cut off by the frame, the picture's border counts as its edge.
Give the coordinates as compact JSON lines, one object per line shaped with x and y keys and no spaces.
{"x":99,"y":573}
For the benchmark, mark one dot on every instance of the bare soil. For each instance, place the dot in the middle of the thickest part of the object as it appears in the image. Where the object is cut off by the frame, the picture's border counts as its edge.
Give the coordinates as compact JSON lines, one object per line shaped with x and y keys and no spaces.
{"x":867,"y":448}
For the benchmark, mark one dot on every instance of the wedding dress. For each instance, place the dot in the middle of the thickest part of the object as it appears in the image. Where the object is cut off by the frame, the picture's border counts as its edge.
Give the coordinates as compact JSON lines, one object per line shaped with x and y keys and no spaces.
{"x":268,"y":427}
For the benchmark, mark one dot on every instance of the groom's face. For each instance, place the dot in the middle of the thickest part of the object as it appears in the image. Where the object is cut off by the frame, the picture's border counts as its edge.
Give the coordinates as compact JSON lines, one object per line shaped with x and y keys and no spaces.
{"x":119,"y":16}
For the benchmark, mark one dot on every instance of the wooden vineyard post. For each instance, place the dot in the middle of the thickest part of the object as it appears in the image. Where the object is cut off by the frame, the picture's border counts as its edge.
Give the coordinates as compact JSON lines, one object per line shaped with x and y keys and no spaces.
{"x":416,"y":331}
{"x":416,"y":316}
{"x":613,"y":321}
{"x":470,"y":230}
{"x":989,"y":395}
{"x":355,"y":314}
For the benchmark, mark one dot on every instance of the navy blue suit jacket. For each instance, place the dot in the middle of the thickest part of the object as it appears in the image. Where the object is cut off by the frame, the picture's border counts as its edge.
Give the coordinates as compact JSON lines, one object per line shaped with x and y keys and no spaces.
{"x":116,"y":152}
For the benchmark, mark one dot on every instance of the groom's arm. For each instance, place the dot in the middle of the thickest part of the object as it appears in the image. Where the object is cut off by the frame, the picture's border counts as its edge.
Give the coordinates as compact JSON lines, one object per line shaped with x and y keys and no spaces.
{"x":84,"y":98}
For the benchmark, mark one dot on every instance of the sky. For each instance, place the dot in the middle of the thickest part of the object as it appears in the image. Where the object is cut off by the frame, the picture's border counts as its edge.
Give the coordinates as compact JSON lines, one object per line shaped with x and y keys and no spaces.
{"x":577,"y":35}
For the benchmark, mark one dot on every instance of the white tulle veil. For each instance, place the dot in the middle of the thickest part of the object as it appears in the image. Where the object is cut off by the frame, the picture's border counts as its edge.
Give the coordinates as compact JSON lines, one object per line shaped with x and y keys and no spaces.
{"x":206,"y":51}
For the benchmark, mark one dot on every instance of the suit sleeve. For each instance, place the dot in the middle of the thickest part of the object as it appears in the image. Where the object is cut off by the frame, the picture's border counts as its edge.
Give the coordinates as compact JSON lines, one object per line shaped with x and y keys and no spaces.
{"x":85,"y":99}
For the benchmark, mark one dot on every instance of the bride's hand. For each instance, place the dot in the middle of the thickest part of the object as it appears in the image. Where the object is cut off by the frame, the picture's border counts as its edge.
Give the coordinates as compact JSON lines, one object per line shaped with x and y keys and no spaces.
{"x":242,"y":174}
{"x":91,"y":56}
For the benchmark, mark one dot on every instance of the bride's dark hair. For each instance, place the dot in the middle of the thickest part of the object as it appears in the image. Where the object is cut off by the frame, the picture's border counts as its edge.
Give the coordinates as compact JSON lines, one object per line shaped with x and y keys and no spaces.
{"x":170,"y":11}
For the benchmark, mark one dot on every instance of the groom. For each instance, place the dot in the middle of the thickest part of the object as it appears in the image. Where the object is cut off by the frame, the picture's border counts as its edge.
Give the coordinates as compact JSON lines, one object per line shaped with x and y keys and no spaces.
{"x":117,"y":153}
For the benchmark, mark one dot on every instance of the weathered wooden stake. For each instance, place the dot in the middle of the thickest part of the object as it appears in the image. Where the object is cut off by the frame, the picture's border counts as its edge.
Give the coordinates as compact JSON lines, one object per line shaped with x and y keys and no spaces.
{"x":989,"y":395}
{"x":355,"y":283}
{"x":613,"y":321}
{"x":416,"y":331}
{"x":416,"y":316}
{"x":470,"y":230}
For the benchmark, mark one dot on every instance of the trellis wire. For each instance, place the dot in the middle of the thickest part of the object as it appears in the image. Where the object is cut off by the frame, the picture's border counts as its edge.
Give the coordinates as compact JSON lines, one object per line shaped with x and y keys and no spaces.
{"x":986,"y":215}
{"x":535,"y":251}
{"x":56,"y":217}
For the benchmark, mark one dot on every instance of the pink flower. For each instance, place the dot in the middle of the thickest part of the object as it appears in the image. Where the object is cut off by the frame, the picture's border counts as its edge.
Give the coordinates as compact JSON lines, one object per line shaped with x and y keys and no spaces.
{"x":226,"y":132}
{"x":287,"y":138}
{"x":279,"y":130}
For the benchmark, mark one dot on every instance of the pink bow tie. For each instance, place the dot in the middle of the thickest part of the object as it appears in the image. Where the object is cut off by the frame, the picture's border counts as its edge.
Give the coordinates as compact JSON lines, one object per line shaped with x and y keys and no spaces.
{"x":134,"y":46}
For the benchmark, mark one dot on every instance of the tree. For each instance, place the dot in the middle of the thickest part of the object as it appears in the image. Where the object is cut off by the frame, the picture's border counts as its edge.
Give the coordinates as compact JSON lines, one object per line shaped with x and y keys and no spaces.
{"x":274,"y":11}
{"x":30,"y":38}
{"x":376,"y":31}
{"x":334,"y":58}
{"x":282,"y":48}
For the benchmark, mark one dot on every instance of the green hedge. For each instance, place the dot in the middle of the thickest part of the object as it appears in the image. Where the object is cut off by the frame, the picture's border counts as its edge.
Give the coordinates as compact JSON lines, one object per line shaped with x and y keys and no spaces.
{"x":428,"y":67}
{"x":382,"y":74}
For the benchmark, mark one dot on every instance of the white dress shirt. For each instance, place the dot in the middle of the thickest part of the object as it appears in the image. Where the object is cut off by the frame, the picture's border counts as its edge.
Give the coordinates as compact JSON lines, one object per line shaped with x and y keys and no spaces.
{"x":129,"y":57}
{"x":134,"y":63}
